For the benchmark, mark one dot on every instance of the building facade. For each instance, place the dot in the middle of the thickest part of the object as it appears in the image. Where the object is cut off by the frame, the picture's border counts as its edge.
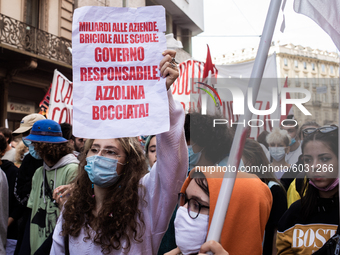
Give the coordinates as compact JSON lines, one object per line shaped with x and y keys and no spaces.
{"x":312,"y":69}
{"x":35,"y":37}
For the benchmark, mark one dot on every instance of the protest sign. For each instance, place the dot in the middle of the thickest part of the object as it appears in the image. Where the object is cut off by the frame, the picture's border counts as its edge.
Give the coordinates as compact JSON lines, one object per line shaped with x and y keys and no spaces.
{"x":236,"y":76}
{"x":61,"y":99}
{"x":118,"y":91}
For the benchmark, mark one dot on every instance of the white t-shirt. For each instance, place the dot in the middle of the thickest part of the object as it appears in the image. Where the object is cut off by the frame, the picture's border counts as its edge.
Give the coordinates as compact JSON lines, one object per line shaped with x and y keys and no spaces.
{"x":10,"y":155}
{"x":293,"y":156}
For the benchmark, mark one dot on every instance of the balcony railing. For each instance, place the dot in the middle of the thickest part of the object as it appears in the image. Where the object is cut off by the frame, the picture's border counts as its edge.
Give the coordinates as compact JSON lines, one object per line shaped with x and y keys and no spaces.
{"x":335,"y":105}
{"x":28,"y":38}
{"x":306,"y":84}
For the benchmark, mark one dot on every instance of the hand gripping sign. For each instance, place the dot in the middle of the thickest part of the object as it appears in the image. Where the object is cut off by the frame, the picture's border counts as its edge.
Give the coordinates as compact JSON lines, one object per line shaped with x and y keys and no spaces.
{"x":118,"y":91}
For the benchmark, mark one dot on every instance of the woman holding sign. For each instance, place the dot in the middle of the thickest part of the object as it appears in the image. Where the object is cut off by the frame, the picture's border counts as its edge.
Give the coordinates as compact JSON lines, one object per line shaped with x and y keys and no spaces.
{"x":116,"y":206}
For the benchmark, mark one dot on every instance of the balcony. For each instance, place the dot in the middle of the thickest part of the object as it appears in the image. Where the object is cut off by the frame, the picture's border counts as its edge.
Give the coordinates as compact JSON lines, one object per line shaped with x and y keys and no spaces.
{"x":333,"y":88}
{"x":316,"y":103}
{"x":335,"y":105}
{"x":27,"y":38}
{"x":306,"y":85}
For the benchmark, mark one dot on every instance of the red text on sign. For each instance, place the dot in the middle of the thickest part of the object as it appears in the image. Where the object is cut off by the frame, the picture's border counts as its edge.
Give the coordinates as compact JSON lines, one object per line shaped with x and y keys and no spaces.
{"x":119,"y":73}
{"x":130,"y":111}
{"x":143,"y":38}
{"x":119,"y":54}
{"x":120,"y":92}
{"x":143,"y":27}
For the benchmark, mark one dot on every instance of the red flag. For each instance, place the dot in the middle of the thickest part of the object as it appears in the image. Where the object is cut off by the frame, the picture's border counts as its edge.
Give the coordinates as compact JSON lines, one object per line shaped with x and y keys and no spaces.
{"x":44,"y":104}
{"x":208,"y":66}
{"x":288,"y":106}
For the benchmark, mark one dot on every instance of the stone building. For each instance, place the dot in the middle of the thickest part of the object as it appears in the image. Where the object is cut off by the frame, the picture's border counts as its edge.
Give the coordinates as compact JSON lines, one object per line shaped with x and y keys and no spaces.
{"x":312,"y":69}
{"x":35,"y":36}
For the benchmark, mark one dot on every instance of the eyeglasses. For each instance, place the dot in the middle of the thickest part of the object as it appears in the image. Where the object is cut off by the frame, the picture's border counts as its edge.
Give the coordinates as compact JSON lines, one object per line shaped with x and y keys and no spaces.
{"x":194,"y":207}
{"x":109,"y":153}
{"x":324,"y":130}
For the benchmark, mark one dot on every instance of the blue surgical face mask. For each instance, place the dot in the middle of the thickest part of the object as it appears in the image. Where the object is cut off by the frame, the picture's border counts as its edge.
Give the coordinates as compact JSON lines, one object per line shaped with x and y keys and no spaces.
{"x":292,"y":141}
{"x":277,"y":152}
{"x":102,"y":171}
{"x":193,"y":157}
{"x":31,"y":149}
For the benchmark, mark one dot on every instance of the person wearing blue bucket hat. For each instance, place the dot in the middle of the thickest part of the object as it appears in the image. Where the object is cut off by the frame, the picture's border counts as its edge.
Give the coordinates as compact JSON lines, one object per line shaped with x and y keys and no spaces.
{"x":59,"y":168}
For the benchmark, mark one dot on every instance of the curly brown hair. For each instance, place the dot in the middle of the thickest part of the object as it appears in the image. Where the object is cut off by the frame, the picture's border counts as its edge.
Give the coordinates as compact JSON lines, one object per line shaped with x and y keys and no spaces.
{"x":116,"y":219}
{"x":52,"y":152}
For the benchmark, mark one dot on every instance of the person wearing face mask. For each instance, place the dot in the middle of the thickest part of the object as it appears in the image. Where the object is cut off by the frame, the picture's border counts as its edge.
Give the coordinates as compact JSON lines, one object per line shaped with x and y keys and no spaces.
{"x":294,"y":191}
{"x":246,"y":218}
{"x":11,"y":172}
{"x":249,"y":193}
{"x":253,"y":156}
{"x":116,"y":205}
{"x":294,"y":152}
{"x":30,"y":163}
{"x":278,"y":141}
{"x":314,"y":219}
{"x":59,"y":168}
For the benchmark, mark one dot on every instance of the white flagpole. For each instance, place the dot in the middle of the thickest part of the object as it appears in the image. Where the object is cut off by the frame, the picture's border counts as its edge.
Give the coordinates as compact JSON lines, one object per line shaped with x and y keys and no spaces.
{"x":240,"y":136}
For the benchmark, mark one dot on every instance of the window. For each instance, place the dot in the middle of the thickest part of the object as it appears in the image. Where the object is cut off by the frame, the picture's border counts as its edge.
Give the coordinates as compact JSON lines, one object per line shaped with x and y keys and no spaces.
{"x":313,"y":66}
{"x":32,"y":14}
{"x":323,"y":68}
{"x":324,"y":98}
{"x":285,"y":62}
{"x":304,"y":65}
{"x":332,"y":69}
{"x":297,"y":83}
{"x":296,"y":63}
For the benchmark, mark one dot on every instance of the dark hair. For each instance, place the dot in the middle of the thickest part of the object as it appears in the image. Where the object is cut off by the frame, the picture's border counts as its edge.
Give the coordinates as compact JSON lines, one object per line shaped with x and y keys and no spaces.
{"x":288,"y":122}
{"x":201,"y":181}
{"x":66,"y":129}
{"x":7,"y":133}
{"x":3,"y":144}
{"x":52,"y":151}
{"x":119,"y":218}
{"x":147,"y":145}
{"x":309,"y":202}
{"x":253,"y":155}
{"x":216,"y":141}
{"x":261,"y":138}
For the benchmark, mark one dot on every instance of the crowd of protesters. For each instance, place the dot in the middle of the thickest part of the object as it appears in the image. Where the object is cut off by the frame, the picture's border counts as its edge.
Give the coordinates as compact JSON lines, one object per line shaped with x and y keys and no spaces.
{"x":62,"y":194}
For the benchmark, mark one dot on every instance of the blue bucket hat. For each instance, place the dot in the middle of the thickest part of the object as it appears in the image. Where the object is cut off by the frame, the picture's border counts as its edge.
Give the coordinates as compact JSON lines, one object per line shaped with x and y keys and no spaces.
{"x":46,"y":131}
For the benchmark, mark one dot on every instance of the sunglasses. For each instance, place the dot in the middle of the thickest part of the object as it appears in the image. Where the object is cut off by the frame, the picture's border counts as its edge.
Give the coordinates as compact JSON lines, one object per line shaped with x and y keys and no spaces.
{"x":324,"y":130}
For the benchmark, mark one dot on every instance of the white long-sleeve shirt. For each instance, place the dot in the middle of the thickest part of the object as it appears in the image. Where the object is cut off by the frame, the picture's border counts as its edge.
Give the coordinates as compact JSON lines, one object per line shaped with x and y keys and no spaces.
{"x":162,"y":185}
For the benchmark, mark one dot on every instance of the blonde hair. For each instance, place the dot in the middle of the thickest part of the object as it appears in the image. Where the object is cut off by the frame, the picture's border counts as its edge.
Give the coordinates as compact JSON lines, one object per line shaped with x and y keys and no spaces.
{"x":20,"y":150}
{"x":277,"y":136}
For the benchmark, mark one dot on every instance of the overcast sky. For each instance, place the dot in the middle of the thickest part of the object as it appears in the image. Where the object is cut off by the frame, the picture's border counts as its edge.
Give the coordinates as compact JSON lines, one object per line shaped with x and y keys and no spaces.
{"x":247,"y":17}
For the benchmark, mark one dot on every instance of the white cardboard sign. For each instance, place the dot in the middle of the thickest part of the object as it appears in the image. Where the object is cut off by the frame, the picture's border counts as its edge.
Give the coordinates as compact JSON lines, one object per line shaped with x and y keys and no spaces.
{"x":118,"y":91}
{"x":61,"y":99}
